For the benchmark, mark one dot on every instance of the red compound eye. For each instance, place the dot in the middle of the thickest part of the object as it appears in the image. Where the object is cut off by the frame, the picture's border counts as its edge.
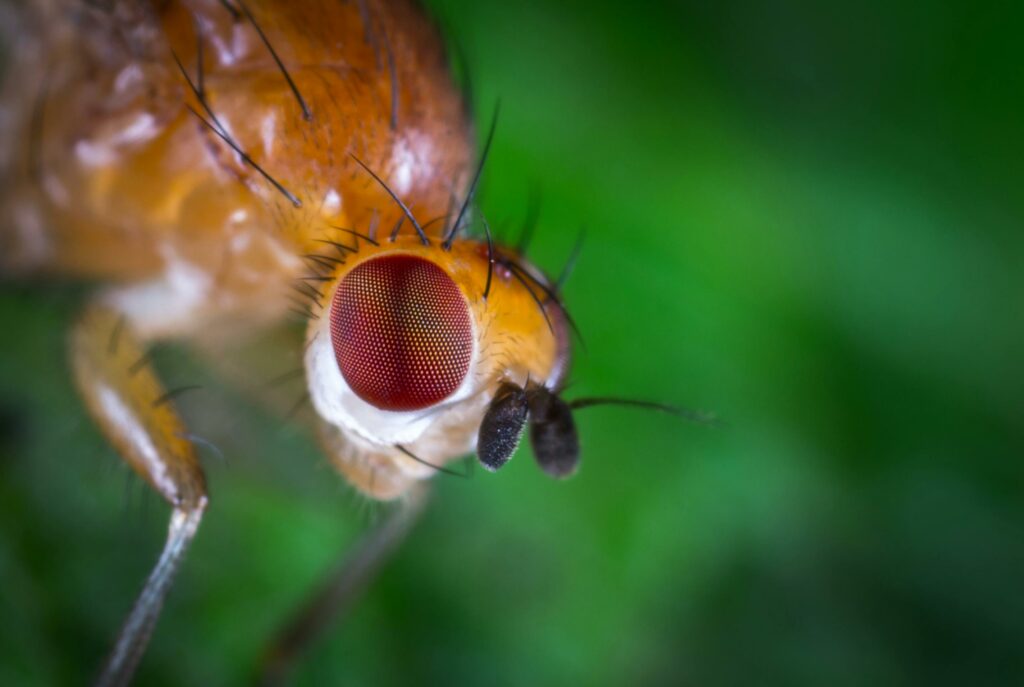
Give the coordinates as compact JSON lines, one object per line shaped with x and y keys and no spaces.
{"x":401,"y":332}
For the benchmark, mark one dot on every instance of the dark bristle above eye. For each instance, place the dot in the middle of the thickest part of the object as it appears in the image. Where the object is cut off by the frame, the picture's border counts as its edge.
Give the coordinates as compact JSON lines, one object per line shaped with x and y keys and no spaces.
{"x":532,"y":217}
{"x":398,"y":201}
{"x":524,"y":276}
{"x":358,"y":235}
{"x":517,"y":274}
{"x":340,"y":247}
{"x":490,"y":257}
{"x":454,"y":231}
{"x":397,"y":230}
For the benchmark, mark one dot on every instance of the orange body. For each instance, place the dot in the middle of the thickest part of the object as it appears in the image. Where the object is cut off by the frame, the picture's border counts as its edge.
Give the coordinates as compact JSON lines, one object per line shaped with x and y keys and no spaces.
{"x":133,"y":143}
{"x":117,"y":180}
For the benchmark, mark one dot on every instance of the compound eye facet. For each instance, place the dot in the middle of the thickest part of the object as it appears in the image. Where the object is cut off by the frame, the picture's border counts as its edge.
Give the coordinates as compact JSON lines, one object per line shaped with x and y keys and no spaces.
{"x":401,"y":332}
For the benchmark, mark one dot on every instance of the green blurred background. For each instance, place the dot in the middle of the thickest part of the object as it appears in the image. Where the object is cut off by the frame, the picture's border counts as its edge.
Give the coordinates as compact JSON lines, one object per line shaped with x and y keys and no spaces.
{"x":804,"y":216}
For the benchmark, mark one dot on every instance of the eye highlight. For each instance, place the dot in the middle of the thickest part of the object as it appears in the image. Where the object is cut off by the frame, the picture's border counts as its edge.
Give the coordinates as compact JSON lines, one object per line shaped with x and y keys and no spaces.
{"x":401,"y":332}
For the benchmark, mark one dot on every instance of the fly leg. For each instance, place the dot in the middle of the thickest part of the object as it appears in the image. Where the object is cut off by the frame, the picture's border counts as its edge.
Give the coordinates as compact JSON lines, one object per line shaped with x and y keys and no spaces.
{"x":342,"y":585}
{"x":131,"y":408}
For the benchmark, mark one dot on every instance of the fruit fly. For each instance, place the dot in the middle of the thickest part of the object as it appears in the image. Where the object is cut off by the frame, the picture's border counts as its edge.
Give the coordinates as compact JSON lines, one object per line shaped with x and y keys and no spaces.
{"x":219,"y":166}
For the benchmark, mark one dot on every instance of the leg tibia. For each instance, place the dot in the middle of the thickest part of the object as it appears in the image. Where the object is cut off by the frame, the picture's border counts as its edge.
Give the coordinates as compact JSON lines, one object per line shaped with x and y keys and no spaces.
{"x":130,"y":406}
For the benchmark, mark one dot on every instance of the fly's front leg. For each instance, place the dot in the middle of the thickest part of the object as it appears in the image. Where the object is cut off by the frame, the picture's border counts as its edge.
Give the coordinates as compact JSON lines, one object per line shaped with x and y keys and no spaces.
{"x":340,"y":588}
{"x":131,"y":407}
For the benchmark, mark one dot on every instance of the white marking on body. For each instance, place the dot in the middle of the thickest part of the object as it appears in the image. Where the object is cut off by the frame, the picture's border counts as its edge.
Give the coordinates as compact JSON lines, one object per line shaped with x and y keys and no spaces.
{"x":227,"y":52}
{"x":128,"y":78}
{"x":142,"y":129}
{"x":402,"y":162}
{"x":168,"y":303}
{"x":93,"y":155}
{"x":332,"y":203}
{"x":268,"y":133}
{"x":127,"y":425}
{"x":104,"y":152}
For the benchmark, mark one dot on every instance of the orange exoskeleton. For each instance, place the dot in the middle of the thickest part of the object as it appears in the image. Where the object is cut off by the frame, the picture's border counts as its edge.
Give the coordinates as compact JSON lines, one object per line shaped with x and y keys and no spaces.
{"x":220,"y":165}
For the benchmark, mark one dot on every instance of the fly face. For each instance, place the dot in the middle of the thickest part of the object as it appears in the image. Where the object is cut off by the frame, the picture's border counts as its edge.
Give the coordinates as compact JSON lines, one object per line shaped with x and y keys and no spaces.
{"x":415,"y":347}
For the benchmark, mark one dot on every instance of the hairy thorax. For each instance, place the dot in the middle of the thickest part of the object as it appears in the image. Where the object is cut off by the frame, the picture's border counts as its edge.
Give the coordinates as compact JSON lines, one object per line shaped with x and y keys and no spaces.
{"x":165,"y":145}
